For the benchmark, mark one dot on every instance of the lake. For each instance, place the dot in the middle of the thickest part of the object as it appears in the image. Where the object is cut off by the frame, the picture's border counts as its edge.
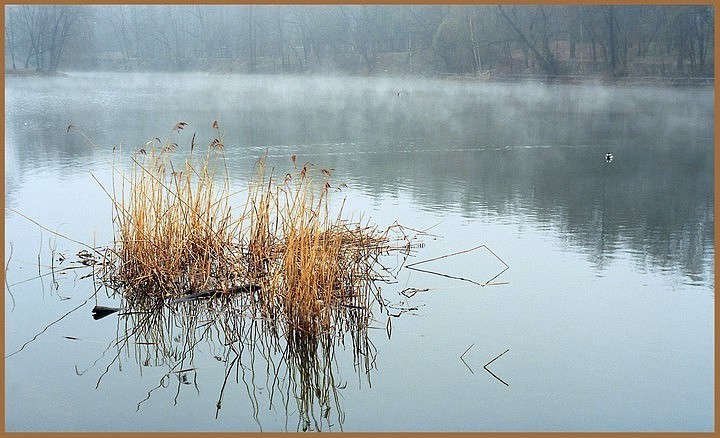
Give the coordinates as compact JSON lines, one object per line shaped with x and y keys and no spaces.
{"x":604,"y":320}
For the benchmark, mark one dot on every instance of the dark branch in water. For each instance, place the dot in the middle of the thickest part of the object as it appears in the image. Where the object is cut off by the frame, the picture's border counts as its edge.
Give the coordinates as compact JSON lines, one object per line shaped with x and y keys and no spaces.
{"x":497,"y":357}
{"x":493,"y":374}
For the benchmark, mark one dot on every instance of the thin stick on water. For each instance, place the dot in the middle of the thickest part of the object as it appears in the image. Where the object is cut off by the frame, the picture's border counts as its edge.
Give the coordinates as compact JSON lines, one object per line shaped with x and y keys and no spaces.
{"x":41,"y":276}
{"x":463,"y":360}
{"x":447,"y":255}
{"x":487,"y":283}
{"x":493,"y":374}
{"x":42,"y":283}
{"x":54,"y":232}
{"x":47,"y":327}
{"x":39,"y":252}
{"x":7,"y":286}
{"x":52,"y":246}
{"x":497,"y":357}
{"x":468,"y":349}
{"x":446,"y":275}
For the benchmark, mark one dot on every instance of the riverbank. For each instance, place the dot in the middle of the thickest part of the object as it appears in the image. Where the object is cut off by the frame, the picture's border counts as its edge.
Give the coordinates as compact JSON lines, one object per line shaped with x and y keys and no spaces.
{"x":598,"y":79}
{"x":31,"y":73}
{"x":482,"y":77}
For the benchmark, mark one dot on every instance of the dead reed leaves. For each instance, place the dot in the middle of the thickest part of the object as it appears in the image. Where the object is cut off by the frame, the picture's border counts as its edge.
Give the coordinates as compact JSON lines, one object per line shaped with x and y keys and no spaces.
{"x":176,"y":234}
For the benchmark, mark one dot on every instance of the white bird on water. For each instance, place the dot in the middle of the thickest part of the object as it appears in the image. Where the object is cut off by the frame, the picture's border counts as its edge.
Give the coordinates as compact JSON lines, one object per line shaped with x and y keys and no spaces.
{"x":609,"y":157}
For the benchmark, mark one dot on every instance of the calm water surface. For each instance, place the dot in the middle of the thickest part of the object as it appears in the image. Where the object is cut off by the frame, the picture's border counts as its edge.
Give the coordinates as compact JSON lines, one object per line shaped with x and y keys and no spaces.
{"x":607,"y":311}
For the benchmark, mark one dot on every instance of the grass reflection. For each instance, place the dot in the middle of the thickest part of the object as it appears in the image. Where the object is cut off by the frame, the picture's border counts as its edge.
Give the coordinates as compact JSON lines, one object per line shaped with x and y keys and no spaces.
{"x":273,"y":288}
{"x":278,"y":367}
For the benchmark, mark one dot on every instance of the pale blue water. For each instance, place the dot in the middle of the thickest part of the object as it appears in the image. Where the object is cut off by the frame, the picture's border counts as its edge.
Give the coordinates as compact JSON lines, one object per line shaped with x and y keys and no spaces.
{"x":607,"y":313}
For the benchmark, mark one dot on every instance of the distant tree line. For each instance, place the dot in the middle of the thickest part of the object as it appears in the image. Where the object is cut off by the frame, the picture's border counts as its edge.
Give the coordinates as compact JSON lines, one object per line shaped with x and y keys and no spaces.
{"x":612,"y":40}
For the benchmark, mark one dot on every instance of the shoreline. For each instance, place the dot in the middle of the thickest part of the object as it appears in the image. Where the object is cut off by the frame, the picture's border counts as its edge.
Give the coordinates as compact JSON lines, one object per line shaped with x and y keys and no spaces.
{"x":487,"y":77}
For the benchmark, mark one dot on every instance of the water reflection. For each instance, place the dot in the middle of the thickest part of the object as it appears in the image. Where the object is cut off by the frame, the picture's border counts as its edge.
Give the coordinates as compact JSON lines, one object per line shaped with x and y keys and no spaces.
{"x":519,"y":164}
{"x":517,"y":153}
{"x":277,"y":368}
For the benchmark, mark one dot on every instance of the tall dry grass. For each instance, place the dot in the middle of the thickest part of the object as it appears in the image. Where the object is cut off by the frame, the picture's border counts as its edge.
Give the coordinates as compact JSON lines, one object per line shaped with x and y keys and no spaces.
{"x":174,"y":227}
{"x":312,"y":264}
{"x":177,"y":235}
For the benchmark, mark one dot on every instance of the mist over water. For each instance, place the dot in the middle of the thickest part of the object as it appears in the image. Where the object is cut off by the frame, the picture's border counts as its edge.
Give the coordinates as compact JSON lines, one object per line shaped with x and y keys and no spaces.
{"x":611,"y":263}
{"x":474,"y":147}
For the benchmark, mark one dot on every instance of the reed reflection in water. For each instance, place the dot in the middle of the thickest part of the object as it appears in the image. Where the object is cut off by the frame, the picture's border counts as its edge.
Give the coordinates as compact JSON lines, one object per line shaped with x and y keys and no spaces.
{"x":296,"y":367}
{"x":612,"y":264}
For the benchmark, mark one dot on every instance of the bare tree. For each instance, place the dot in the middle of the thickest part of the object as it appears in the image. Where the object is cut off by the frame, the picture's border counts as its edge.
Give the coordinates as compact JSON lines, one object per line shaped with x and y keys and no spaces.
{"x":10,"y":12}
{"x":534,"y":32}
{"x":368,"y":38}
{"x":43,"y":31}
{"x":691,"y":29}
{"x":119,"y":21}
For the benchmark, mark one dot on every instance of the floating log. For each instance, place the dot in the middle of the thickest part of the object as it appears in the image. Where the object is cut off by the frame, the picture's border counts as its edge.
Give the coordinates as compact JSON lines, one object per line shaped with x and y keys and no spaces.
{"x":99,"y":312}
{"x":214,"y":292}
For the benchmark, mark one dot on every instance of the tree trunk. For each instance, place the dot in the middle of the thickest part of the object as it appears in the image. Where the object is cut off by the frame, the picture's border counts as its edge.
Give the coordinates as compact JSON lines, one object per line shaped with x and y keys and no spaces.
{"x":10,"y":36}
{"x":612,"y":44}
{"x":547,"y":61}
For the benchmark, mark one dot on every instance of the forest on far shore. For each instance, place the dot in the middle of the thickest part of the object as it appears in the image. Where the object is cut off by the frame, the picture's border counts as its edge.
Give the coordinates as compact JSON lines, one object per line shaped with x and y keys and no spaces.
{"x":608,"y":41}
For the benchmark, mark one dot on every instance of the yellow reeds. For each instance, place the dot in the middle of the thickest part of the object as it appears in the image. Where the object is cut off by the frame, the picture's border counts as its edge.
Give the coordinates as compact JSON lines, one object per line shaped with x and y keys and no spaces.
{"x":311,"y":265}
{"x":175,"y":226}
{"x":177,"y":237}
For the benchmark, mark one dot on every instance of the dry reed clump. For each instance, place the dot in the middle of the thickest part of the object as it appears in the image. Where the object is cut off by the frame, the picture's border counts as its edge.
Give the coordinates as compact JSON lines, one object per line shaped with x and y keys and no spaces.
{"x":312,"y":266}
{"x":177,"y":237}
{"x":174,"y":227}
